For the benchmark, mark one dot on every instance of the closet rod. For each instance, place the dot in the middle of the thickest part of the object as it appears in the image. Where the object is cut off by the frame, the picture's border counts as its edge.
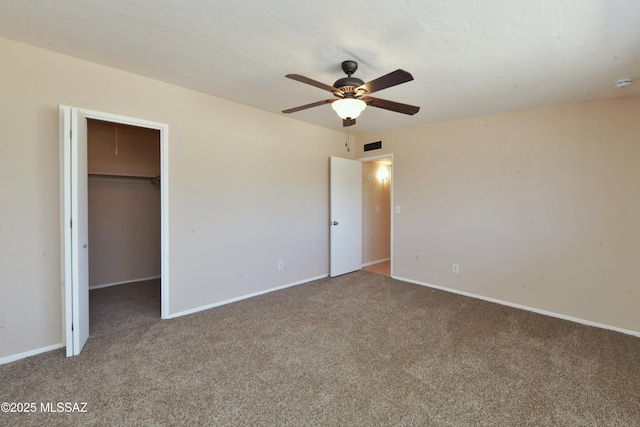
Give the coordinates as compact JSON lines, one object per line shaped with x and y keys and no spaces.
{"x":123,"y":175}
{"x":152,"y":179}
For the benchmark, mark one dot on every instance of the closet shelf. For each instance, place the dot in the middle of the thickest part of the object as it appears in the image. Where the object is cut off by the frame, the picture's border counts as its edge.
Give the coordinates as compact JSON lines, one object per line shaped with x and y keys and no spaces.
{"x":122,"y":175}
{"x":154,"y":179}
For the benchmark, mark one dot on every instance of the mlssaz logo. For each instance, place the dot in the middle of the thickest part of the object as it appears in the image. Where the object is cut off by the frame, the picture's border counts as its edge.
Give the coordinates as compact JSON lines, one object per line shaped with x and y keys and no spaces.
{"x":63,"y":407}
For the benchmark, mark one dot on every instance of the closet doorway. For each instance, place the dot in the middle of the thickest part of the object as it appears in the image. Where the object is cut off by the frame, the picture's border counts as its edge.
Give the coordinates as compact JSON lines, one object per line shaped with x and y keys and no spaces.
{"x":75,"y":249}
{"x":124,"y":217}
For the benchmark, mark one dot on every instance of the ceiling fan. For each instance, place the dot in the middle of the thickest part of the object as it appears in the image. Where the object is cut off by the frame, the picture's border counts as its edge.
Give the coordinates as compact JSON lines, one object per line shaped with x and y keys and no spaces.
{"x":353,"y":94}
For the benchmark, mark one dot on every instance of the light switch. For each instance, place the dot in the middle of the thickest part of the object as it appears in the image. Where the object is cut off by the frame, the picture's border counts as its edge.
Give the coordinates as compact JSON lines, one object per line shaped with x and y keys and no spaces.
{"x":397,"y":208}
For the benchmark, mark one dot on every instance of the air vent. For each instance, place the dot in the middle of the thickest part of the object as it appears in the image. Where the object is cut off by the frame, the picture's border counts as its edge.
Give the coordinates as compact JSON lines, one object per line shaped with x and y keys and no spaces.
{"x":373,"y":146}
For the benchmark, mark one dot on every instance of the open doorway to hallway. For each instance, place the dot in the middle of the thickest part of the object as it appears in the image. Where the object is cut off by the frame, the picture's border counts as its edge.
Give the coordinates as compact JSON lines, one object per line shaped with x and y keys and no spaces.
{"x":376,"y":215}
{"x":383,"y":268}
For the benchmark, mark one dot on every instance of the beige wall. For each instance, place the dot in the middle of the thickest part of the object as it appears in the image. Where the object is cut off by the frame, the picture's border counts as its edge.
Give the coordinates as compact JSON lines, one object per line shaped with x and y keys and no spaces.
{"x":247,"y":188}
{"x":376,"y":213}
{"x":124,"y":230}
{"x":117,"y":149}
{"x":539,"y":208}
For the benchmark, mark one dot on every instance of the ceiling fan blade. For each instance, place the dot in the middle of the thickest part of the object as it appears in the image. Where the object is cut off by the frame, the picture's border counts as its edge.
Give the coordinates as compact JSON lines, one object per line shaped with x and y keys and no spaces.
{"x":311,"y":82}
{"x":304,"y":107}
{"x":391,"y":106}
{"x":388,"y":80}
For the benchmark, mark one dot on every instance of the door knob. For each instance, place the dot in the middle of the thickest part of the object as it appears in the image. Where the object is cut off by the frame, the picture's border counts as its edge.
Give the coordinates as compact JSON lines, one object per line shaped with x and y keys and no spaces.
{"x":84,"y":246}
{"x":335,"y":222}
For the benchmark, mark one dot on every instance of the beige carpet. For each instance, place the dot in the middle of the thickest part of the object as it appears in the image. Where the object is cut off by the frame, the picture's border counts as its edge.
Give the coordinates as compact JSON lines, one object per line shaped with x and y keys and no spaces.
{"x":361,"y":349}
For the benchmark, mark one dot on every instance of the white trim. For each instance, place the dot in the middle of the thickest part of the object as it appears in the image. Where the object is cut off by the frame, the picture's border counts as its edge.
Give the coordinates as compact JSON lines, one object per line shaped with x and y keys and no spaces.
{"x":376,"y":262}
{"x":65,"y":229}
{"x":164,"y":204}
{"x":164,"y":194}
{"x":164,"y":191}
{"x":164,"y":221}
{"x":14,"y":357}
{"x":107,"y":285}
{"x":255,"y":294}
{"x":523,"y":307}
{"x":378,"y":157}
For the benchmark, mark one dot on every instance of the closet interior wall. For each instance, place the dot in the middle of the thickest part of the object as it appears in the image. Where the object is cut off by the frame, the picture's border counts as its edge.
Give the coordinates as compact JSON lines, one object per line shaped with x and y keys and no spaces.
{"x":124,"y":203}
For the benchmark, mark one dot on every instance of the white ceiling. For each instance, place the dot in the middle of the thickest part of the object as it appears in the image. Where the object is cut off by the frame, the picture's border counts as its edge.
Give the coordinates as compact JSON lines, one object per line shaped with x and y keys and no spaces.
{"x":468,"y":58}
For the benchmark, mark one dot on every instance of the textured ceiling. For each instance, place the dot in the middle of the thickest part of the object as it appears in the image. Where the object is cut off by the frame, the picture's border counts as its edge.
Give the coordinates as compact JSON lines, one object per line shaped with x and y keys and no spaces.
{"x":468,"y":58}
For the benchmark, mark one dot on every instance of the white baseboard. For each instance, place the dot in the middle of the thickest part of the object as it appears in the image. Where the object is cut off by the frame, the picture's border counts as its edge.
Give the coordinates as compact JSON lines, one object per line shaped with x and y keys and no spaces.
{"x":106,"y":285}
{"x":523,"y":307}
{"x":375,"y":262}
{"x":14,"y":357}
{"x":255,"y":294}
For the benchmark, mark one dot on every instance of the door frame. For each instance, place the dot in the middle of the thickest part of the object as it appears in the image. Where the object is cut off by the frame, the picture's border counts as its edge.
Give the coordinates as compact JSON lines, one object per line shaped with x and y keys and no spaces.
{"x":391,"y":217}
{"x":66,"y":172}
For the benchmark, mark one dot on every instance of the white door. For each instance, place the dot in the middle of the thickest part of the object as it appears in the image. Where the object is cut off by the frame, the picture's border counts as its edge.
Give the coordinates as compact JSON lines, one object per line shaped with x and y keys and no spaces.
{"x":75,"y":228}
{"x":345,"y":216}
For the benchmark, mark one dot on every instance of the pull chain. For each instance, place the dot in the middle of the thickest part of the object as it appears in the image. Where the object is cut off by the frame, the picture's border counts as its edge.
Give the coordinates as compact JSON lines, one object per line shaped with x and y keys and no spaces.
{"x":346,"y":144}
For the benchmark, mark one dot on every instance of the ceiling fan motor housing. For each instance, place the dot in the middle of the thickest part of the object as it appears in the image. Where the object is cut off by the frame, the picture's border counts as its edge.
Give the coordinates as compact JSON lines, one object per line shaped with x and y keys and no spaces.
{"x":348,"y":85}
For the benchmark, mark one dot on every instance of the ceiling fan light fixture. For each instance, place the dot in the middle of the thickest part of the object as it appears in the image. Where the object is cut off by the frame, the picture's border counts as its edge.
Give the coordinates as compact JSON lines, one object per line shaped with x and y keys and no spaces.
{"x":348,"y":108}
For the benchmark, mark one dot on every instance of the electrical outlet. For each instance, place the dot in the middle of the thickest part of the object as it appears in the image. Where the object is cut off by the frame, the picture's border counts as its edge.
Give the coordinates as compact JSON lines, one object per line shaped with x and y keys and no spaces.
{"x":280,"y":265}
{"x":456,"y":268}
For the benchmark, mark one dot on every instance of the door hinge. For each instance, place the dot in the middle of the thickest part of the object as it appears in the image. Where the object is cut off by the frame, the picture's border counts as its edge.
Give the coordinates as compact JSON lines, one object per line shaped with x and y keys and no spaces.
{"x":71,"y":326}
{"x":70,"y":133}
{"x":71,"y":223}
